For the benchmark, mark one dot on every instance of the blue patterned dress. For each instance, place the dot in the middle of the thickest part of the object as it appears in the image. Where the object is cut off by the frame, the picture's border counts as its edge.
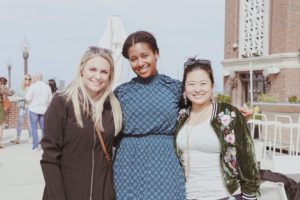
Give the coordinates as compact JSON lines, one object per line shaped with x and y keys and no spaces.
{"x":146,"y":166}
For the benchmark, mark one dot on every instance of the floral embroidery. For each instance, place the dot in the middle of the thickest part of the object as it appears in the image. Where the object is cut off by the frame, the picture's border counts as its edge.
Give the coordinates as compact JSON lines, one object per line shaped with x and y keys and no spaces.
{"x":230,"y":138}
{"x":225,"y":119}
{"x":233,"y":114}
{"x":230,"y":159}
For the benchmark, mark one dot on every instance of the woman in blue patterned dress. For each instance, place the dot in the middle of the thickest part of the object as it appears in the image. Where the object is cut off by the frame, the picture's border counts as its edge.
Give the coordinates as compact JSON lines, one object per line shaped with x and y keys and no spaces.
{"x":146,"y":166}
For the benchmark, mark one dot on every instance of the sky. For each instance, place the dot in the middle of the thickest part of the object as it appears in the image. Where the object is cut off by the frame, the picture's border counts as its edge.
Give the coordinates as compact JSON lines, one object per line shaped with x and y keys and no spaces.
{"x":59,"y":31}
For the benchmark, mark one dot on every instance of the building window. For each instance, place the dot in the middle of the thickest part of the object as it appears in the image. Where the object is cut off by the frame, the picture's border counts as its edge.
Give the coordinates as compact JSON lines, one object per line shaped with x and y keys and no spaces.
{"x":259,"y":85}
{"x":252,"y":27}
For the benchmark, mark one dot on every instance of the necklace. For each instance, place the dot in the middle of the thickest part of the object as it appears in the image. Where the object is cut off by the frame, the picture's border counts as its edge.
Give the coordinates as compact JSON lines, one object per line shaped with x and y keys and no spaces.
{"x":200,"y":115}
{"x":189,"y":131}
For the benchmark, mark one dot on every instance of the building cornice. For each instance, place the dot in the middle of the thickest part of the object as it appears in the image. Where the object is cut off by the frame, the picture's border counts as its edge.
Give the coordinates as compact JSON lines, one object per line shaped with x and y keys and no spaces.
{"x":281,"y":61}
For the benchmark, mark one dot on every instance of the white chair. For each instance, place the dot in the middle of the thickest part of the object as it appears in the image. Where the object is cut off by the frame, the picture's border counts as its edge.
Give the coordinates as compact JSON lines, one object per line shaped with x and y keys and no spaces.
{"x":272,"y":191}
{"x":285,"y":122}
{"x":261,"y":120}
{"x":288,"y":165}
{"x":258,"y":119}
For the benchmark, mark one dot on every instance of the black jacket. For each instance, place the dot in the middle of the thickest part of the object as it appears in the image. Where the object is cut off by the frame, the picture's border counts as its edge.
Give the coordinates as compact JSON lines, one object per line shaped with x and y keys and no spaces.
{"x":73,"y":162}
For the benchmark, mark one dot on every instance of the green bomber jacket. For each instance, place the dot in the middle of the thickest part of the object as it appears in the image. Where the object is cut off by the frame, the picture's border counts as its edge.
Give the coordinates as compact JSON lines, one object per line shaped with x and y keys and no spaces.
{"x":237,"y":157}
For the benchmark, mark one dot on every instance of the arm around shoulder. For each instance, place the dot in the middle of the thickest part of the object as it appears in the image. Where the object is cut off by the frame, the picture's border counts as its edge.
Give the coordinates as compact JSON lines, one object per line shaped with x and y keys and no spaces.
{"x":248,"y":171}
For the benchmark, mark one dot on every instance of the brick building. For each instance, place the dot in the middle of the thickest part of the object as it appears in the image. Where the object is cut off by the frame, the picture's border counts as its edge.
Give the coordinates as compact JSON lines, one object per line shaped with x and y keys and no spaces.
{"x":262,"y":35}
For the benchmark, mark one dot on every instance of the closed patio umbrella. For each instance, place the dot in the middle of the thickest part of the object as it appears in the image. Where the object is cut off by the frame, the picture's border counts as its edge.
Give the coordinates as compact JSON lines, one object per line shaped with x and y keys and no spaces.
{"x":113,"y":39}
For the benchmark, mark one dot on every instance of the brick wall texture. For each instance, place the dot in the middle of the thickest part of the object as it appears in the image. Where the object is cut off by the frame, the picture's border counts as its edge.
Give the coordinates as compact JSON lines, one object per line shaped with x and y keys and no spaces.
{"x":284,"y":27}
{"x":284,"y":37}
{"x":285,"y":84}
{"x":231,"y":28}
{"x":12,"y":116}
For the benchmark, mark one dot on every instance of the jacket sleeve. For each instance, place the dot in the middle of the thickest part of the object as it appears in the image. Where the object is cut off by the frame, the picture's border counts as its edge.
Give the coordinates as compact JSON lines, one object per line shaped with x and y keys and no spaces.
{"x":248,"y":172}
{"x":52,"y":144}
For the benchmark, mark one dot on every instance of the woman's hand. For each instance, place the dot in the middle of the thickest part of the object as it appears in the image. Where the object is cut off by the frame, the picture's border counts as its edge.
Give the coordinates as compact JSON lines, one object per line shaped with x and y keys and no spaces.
{"x":247,"y":113}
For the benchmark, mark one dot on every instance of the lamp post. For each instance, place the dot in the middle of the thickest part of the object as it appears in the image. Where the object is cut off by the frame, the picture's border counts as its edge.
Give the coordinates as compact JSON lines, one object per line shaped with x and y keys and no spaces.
{"x":9,"y":72}
{"x":251,"y":83}
{"x":25,"y":50}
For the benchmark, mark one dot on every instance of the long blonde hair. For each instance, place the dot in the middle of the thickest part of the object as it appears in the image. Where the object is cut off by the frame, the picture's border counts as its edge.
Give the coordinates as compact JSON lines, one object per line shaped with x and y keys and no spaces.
{"x":82,"y":103}
{"x":23,"y":83}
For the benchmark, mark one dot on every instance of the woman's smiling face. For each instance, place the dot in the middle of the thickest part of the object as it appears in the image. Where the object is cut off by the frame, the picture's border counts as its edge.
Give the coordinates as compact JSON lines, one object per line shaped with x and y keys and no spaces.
{"x":142,"y":60}
{"x":95,"y":74}
{"x":198,"y":87}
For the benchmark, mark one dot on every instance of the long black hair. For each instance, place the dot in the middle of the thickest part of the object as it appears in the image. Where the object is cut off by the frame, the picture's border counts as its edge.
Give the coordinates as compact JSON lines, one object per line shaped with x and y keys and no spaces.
{"x":190,"y":65}
{"x":52,"y":85}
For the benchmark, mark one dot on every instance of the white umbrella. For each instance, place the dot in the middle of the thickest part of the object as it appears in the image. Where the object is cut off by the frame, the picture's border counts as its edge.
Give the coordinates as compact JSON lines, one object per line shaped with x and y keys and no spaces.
{"x":113,"y":39}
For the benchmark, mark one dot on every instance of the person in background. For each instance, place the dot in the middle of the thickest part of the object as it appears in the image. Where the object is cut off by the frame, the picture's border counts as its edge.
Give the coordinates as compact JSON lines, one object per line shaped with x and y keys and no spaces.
{"x":23,"y":109}
{"x":52,"y":84}
{"x":4,"y":91}
{"x":38,"y":96}
{"x":213,"y":141}
{"x":74,"y":162}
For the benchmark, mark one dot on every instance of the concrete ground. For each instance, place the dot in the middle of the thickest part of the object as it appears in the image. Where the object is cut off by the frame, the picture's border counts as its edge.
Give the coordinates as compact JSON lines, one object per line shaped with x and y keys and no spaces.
{"x":20,"y":172}
{"x":21,"y":175}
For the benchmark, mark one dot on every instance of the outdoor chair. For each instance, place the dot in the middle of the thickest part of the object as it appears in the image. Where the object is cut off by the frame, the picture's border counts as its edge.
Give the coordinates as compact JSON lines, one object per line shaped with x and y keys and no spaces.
{"x":272,"y":191}
{"x":285,"y":125}
{"x":288,"y":165}
{"x":261,"y":121}
{"x":276,"y":185}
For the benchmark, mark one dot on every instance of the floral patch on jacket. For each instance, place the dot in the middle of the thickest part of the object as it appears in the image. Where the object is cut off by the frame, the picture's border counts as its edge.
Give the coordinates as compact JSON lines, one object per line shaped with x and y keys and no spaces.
{"x":225,"y":118}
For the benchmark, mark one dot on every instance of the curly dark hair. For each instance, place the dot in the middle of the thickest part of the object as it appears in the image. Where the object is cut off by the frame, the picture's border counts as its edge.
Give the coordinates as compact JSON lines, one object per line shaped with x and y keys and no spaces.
{"x":138,"y":37}
{"x":3,"y":80}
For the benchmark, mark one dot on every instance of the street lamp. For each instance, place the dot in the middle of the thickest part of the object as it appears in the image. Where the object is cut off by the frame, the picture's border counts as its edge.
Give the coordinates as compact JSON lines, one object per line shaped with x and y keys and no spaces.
{"x":25,"y":50}
{"x":9,"y":72}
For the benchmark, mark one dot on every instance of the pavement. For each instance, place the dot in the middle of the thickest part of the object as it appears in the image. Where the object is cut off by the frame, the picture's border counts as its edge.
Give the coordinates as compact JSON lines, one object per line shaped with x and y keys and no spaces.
{"x":20,"y":172}
{"x":21,"y":175}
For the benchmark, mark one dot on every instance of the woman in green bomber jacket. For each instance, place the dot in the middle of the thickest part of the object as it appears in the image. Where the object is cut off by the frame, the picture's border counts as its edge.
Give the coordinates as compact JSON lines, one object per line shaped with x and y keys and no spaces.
{"x":212,"y":141}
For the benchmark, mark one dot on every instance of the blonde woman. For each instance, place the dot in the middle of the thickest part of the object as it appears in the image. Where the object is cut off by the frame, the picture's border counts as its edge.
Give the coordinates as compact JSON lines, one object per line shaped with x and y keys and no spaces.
{"x":4,"y":91}
{"x":75,"y":163}
{"x":23,"y":108}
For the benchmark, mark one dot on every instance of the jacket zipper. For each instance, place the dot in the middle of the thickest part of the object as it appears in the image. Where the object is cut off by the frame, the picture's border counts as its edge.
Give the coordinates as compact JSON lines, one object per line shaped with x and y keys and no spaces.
{"x":93,"y":163}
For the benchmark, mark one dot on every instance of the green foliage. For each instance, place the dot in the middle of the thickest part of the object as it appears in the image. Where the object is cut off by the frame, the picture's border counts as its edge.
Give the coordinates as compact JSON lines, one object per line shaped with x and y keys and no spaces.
{"x":293,"y":99}
{"x":254,"y":108}
{"x":267,"y":97}
{"x":224,"y":98}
